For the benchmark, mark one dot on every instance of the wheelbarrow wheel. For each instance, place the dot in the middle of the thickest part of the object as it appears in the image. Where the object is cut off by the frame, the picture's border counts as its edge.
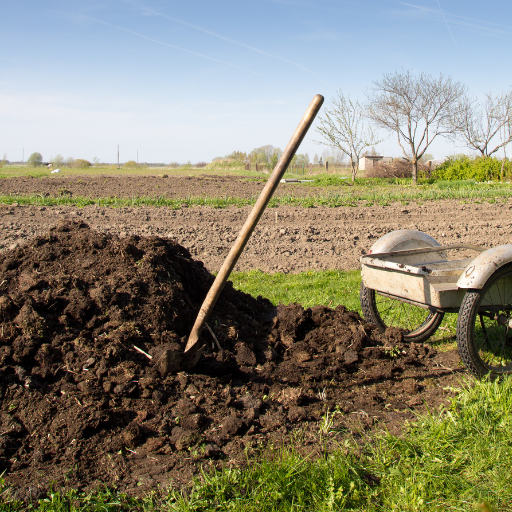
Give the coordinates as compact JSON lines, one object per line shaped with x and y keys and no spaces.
{"x":484,"y":326}
{"x":418,"y":323}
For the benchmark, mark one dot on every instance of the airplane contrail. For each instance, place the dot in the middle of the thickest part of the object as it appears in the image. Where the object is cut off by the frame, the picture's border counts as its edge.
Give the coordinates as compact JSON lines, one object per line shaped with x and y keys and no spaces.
{"x":175,"y":47}
{"x":447,"y":26}
{"x":223,"y":38}
{"x":489,"y":26}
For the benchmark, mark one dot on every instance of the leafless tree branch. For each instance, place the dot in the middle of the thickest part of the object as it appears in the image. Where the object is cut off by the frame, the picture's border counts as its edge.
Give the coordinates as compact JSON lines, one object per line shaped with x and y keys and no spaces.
{"x":344,"y":127}
{"x":417,"y":108}
{"x":481,"y":126}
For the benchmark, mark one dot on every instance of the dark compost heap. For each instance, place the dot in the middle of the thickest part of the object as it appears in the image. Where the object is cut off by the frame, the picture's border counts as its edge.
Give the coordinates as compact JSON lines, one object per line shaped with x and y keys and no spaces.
{"x":80,"y":405}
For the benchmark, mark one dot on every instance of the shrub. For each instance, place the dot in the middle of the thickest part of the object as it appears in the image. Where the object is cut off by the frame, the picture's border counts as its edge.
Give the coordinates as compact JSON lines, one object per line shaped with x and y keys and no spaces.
{"x":80,"y":163}
{"x":398,"y":168}
{"x":467,"y":168}
{"x":226,"y":163}
{"x":131,"y":164}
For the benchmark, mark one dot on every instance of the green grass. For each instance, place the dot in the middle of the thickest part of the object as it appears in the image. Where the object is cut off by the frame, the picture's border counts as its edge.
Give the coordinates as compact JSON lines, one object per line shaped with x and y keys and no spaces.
{"x":455,"y":184}
{"x":330,"y":287}
{"x":118,"y":202}
{"x":13,"y":171}
{"x":453,"y":459}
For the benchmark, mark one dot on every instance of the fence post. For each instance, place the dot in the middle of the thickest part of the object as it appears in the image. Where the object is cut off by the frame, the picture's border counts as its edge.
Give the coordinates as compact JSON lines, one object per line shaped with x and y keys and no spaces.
{"x":326,"y":166}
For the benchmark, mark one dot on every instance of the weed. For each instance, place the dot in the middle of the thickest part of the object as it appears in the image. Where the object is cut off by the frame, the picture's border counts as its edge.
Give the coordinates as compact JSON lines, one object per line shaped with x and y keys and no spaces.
{"x":392,"y":352}
{"x":327,"y":423}
{"x":322,"y":395}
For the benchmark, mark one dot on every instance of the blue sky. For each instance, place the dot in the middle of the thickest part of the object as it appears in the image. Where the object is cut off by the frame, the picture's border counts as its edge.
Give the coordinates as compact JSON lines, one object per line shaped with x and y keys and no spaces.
{"x":195,"y":79}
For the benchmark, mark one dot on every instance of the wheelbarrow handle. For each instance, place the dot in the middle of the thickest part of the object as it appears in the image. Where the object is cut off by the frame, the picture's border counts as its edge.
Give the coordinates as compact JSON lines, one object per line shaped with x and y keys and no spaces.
{"x":252,"y":220}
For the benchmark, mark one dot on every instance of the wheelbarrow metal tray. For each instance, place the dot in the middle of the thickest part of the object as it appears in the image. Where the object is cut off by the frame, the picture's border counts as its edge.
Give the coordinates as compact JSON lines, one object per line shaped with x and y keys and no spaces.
{"x":427,"y":283}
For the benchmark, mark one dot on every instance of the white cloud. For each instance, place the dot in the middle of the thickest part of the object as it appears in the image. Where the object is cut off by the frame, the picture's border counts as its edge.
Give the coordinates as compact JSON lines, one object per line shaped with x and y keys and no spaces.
{"x":174,"y":47}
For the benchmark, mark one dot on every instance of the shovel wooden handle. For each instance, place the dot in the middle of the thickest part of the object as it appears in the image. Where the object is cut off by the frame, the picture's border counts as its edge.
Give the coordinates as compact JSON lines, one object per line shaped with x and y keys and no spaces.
{"x":252,"y":220}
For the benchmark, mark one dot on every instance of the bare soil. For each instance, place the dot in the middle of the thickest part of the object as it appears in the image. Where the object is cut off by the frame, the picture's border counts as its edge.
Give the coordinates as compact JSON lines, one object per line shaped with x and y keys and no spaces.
{"x":81,"y":404}
{"x":180,"y":187}
{"x":287,"y":239}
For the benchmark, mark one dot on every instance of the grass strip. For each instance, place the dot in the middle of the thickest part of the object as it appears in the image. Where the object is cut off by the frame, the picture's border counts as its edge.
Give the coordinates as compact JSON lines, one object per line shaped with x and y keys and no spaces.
{"x":332,"y":200}
{"x":309,"y":288}
{"x":456,"y":459}
{"x":17,"y":171}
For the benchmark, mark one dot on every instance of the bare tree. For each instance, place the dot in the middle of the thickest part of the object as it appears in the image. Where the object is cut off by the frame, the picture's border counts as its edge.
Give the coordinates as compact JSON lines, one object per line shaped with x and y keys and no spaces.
{"x":57,"y":160}
{"x":485,"y":127}
{"x":265,"y":155}
{"x":417,"y":108}
{"x":344,"y":127}
{"x":268,"y":151}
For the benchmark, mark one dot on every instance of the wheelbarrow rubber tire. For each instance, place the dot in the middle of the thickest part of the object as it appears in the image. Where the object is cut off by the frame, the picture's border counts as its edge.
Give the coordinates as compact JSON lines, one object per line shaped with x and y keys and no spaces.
{"x":418,"y":332}
{"x":485,"y":344}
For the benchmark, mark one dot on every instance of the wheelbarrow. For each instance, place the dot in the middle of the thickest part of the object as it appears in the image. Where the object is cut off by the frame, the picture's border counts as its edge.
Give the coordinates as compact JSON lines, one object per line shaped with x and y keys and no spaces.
{"x":409,"y":280}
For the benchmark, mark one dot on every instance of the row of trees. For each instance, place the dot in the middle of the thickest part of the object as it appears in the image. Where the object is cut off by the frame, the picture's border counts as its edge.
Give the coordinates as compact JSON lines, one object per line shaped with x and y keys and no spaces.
{"x":36,"y":160}
{"x":417,"y":110}
{"x":264,"y":155}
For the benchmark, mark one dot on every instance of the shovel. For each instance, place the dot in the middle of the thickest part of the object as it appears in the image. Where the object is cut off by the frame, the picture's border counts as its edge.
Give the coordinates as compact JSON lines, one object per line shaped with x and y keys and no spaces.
{"x":172,"y":361}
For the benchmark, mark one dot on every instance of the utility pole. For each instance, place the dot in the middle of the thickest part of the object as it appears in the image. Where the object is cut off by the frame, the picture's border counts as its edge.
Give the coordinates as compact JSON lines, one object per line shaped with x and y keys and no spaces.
{"x":118,"y":156}
{"x":137,"y":156}
{"x":23,"y":157}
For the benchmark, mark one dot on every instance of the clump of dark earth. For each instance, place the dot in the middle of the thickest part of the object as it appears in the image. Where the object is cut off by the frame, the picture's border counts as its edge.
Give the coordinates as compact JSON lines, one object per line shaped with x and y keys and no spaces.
{"x":82,"y":403}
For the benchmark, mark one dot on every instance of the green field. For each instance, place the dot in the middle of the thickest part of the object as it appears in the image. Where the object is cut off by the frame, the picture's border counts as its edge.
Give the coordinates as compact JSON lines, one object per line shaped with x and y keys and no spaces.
{"x":13,"y":171}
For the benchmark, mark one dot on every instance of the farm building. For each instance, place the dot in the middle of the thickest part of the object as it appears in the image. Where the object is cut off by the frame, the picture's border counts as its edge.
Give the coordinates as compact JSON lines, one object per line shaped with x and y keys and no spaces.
{"x":368,"y":162}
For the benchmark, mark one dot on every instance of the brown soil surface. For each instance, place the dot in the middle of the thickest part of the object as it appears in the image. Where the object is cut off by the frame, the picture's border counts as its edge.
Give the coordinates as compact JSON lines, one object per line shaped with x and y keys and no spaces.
{"x":287,"y":239}
{"x":81,"y":404}
{"x":152,"y":186}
